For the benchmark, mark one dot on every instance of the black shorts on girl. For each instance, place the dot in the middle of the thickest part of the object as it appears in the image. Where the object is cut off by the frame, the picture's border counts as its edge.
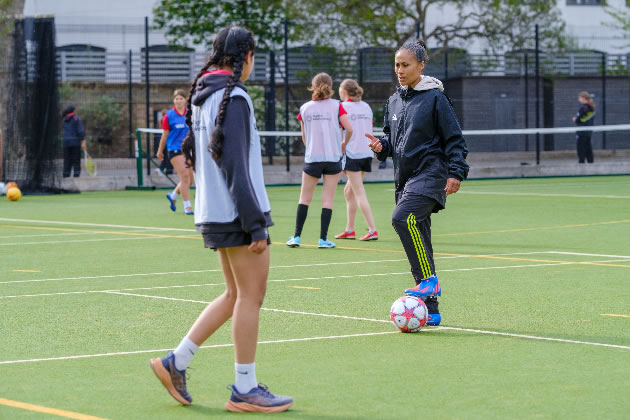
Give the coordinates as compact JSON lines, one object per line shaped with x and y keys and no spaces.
{"x":317,"y":169}
{"x":228,"y":239}
{"x":357,"y":165}
{"x":173,"y":153}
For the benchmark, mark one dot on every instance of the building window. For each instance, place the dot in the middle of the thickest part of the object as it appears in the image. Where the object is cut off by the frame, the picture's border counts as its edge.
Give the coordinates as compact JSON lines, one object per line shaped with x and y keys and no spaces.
{"x":586,"y":2}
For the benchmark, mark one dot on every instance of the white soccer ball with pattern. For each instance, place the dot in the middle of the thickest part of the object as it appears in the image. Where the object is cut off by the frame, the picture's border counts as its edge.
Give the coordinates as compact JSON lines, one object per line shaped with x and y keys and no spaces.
{"x":409,"y":314}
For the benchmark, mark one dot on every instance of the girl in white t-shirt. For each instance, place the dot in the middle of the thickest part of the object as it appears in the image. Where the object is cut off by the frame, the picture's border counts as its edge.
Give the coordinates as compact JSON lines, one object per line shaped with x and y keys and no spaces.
{"x":358,"y":159}
{"x":320,"y":119}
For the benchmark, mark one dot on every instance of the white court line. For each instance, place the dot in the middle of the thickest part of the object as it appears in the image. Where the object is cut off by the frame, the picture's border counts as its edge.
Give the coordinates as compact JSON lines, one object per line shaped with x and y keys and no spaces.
{"x":126,"y":238}
{"x":405,"y":273}
{"x":168,"y":273}
{"x":586,"y":255}
{"x":293,"y":266}
{"x":213,"y":346}
{"x":55,"y":222}
{"x":71,"y":234}
{"x":543,"y":194}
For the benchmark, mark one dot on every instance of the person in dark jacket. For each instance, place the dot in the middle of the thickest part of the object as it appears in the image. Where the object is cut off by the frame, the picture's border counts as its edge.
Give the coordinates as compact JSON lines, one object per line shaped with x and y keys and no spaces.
{"x":73,"y":142}
{"x":424,"y":139}
{"x":585,"y":116}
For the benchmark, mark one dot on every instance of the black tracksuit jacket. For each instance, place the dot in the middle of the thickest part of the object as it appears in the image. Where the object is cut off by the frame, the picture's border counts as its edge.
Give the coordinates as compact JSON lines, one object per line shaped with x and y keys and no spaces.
{"x":424,"y":139}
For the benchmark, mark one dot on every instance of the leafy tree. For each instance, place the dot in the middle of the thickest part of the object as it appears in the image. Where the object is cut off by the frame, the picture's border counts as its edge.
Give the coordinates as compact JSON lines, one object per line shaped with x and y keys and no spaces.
{"x":199,"y":20}
{"x":621,"y":20}
{"x":501,"y":24}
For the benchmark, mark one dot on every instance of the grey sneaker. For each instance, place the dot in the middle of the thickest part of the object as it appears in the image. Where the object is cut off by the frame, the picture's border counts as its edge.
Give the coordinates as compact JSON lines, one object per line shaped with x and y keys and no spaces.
{"x":258,"y":400}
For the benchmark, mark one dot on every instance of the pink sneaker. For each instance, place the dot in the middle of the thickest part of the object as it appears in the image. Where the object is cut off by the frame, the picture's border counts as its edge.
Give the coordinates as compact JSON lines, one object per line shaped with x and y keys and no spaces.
{"x":346,"y":235}
{"x":370,"y":236}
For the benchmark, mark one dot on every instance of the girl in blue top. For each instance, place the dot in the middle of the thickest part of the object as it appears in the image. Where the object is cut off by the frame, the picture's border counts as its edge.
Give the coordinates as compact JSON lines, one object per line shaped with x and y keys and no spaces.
{"x":174,"y":132}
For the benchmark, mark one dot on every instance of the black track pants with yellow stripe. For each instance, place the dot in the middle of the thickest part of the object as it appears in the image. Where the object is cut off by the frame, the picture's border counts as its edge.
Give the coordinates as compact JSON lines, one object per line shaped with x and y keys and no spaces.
{"x":412,"y":221}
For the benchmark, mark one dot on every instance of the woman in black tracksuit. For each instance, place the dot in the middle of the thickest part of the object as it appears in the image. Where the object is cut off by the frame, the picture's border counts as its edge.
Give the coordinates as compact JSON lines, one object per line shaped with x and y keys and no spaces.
{"x":424,"y":139}
{"x":585,"y":116}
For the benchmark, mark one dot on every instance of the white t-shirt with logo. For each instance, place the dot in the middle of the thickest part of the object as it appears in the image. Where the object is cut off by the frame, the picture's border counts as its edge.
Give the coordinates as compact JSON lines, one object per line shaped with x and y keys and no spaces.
{"x":321,"y":130}
{"x":361,"y":118}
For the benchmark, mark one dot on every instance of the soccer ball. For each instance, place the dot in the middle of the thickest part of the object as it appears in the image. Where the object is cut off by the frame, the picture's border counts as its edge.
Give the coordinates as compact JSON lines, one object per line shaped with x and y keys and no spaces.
{"x":11,"y":184}
{"x":409,"y":314}
{"x":14,"y":194}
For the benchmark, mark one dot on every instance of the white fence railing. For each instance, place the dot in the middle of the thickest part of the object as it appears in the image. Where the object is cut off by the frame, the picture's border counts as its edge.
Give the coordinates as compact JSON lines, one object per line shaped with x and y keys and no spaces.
{"x":369,"y":65}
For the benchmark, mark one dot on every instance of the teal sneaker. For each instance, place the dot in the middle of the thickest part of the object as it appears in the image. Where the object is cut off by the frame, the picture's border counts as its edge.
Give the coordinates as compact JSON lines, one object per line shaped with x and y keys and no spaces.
{"x":325,"y":243}
{"x":293,"y":242}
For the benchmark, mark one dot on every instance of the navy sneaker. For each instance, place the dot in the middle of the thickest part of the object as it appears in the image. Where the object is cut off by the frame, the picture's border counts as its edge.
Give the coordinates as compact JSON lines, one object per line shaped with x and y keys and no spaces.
{"x":258,"y":400}
{"x":427,"y":287}
{"x":171,"y":201}
{"x":173,"y":380}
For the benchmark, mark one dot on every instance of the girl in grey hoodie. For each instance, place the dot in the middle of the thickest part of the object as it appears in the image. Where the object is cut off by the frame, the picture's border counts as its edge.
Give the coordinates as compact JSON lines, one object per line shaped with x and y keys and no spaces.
{"x":232,"y":213}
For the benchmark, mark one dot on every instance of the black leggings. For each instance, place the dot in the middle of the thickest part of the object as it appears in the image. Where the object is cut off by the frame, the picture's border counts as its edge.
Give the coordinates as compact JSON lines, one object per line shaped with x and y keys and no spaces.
{"x":71,"y":160}
{"x":412,"y":221}
{"x":584,"y":148}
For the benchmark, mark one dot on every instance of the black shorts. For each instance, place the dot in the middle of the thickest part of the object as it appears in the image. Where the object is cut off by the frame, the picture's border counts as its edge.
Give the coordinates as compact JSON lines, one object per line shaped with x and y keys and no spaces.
{"x":358,"y":165}
{"x":317,"y":169}
{"x":228,"y":239}
{"x":173,"y":153}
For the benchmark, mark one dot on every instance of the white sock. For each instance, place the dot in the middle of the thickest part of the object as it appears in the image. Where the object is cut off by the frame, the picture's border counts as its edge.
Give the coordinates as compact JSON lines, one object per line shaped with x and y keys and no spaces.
{"x":245,"y":377}
{"x":187,"y":204}
{"x":173,"y":195}
{"x":184,"y":353}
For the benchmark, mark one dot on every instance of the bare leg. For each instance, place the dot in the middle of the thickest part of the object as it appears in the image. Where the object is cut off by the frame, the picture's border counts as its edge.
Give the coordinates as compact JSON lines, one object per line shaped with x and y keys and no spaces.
{"x":219,"y":310}
{"x":308,"y":188}
{"x":355,"y":180}
{"x":250,"y":274}
{"x":328,"y":192}
{"x":185,"y":176}
{"x":351,"y":207}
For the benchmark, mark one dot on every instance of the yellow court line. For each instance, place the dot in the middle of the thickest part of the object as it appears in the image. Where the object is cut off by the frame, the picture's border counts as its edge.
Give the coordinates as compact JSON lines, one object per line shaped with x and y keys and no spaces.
{"x":153,"y":235}
{"x":305,"y":287}
{"x":27,"y":271}
{"x":53,"y":411}
{"x":620,"y":316}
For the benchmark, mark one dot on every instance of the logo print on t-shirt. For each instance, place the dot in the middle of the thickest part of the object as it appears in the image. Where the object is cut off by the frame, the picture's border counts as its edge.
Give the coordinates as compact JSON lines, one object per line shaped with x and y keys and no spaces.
{"x":394,"y":117}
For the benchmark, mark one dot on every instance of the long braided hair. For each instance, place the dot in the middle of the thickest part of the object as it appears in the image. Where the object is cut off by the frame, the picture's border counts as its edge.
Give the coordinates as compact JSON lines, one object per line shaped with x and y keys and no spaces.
{"x":229,"y":49}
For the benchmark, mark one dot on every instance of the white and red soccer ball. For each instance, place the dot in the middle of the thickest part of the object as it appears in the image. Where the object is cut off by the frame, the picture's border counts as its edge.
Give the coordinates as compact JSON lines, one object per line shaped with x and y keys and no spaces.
{"x":409,"y":314}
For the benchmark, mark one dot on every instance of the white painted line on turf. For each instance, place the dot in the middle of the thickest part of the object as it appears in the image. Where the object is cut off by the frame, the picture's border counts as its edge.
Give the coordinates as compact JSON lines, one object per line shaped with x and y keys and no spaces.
{"x":168,"y":273}
{"x":55,"y":222}
{"x":212,"y":346}
{"x":294,"y":279}
{"x":126,"y":238}
{"x":535,"y":337}
{"x":585,"y":255}
{"x":544,"y":194}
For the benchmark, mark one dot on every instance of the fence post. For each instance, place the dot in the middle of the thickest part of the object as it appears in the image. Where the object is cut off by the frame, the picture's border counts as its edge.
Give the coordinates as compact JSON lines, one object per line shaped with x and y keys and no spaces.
{"x":604,"y":62}
{"x":147,"y":89}
{"x":130,"y":103}
{"x":286,"y":90}
{"x":526,"y":101}
{"x":270,"y":107}
{"x":537,"y":99}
